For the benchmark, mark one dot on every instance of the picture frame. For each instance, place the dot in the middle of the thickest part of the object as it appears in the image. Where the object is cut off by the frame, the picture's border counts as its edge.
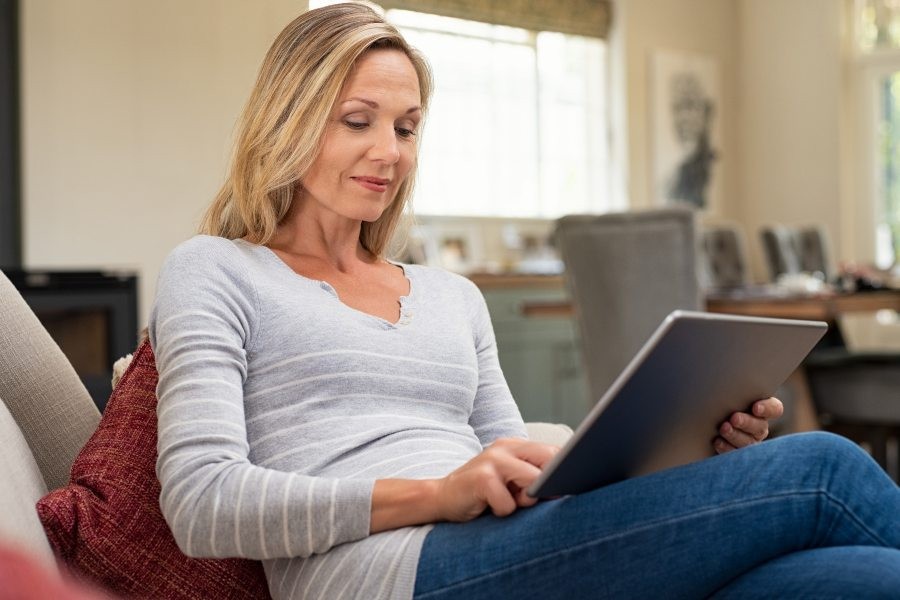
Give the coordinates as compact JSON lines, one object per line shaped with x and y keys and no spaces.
{"x":686,"y":119}
{"x":458,"y":248}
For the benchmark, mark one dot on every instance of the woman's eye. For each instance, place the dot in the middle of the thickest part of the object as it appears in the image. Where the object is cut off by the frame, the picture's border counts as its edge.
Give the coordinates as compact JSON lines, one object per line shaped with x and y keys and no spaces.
{"x":355,"y":124}
{"x":404,"y":132}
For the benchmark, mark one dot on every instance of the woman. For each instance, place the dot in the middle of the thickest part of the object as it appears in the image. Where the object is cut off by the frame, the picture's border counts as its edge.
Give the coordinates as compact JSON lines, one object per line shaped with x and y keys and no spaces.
{"x":320,"y":408}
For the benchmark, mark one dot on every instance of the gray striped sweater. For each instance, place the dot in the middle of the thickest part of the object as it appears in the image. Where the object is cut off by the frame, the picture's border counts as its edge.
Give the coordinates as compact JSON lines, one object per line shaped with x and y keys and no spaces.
{"x":279,"y":407}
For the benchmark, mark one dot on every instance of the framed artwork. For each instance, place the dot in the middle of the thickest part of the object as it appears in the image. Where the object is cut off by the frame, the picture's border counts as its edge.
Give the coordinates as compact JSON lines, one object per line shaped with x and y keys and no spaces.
{"x":686,"y":128}
{"x":454,"y":246}
{"x":458,"y":248}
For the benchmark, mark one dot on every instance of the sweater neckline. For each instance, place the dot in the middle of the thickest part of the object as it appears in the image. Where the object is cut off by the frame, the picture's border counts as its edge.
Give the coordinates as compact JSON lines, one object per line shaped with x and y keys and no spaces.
{"x":405,"y":301}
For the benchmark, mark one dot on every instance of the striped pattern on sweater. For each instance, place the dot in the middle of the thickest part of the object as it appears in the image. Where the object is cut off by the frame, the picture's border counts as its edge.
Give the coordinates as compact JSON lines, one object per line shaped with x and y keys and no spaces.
{"x":279,"y":407}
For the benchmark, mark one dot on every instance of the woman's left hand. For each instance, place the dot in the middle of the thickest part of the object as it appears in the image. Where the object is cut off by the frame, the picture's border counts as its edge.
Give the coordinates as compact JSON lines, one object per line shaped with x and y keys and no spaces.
{"x":743,"y":429}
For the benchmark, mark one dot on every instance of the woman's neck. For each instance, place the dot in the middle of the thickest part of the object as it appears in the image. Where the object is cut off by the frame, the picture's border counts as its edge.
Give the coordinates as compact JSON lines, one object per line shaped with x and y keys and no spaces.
{"x":330,"y":241}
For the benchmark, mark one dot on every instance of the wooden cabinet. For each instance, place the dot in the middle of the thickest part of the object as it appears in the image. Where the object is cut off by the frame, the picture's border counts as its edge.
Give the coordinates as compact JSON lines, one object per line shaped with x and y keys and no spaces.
{"x":539,"y":350}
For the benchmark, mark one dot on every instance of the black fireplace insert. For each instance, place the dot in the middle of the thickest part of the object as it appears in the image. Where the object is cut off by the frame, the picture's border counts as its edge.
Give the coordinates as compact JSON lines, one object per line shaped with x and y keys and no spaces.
{"x":92,"y":315}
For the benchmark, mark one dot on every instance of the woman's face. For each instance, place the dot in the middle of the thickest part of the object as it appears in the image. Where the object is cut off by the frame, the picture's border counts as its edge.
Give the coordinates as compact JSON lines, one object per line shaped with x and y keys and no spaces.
{"x":369,"y":146}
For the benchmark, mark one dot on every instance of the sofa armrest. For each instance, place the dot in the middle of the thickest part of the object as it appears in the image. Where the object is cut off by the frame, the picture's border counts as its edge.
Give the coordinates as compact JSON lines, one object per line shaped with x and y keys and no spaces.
{"x":549,"y":433}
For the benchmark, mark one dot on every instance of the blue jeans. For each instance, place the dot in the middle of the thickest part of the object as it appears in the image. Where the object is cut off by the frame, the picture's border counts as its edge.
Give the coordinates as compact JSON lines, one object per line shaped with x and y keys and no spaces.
{"x":804,"y":516}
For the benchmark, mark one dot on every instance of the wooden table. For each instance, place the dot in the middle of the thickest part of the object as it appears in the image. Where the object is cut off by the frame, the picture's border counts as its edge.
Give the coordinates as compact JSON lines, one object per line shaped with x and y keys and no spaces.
{"x":815,"y":307}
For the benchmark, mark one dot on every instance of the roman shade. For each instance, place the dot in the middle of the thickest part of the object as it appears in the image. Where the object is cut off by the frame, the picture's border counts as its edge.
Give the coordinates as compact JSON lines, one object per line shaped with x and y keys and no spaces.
{"x":575,"y":17}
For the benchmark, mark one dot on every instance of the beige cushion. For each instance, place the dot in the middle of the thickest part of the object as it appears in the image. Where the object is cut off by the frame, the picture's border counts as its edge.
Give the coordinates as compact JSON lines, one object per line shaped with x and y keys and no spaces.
{"x":22,"y":486}
{"x":549,"y":433}
{"x":41,"y":390}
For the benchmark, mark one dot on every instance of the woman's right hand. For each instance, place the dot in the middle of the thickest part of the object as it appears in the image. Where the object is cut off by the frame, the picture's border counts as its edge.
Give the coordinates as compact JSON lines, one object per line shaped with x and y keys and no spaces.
{"x":497,"y":479}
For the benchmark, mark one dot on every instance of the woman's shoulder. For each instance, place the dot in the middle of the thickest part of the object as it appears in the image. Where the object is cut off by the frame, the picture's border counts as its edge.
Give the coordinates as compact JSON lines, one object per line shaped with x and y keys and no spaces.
{"x":442,"y":280}
{"x":209,"y":251}
{"x":205,"y":247}
{"x":207,"y":256}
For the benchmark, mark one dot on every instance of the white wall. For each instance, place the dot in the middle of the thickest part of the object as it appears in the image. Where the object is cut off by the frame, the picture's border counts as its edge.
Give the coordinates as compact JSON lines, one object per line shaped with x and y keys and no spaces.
{"x":707,"y":27}
{"x":792,"y":165}
{"x":128,"y":109}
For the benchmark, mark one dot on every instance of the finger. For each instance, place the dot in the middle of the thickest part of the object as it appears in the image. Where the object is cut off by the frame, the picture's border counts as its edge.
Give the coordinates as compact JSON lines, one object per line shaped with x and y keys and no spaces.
{"x":523,"y":500}
{"x":721,"y":446}
{"x":499,"y":498}
{"x":516,"y":471}
{"x":535,"y":453}
{"x":736,"y":437}
{"x":752,"y":426}
{"x":768,"y":408}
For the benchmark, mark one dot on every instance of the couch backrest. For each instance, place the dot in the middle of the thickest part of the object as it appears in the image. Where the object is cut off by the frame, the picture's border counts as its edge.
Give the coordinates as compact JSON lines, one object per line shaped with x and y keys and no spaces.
{"x":21,"y":486}
{"x":43,"y":393}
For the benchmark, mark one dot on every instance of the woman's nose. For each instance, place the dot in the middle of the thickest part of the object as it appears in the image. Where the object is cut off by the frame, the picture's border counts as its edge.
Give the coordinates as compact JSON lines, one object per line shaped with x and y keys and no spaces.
{"x":385,"y":146}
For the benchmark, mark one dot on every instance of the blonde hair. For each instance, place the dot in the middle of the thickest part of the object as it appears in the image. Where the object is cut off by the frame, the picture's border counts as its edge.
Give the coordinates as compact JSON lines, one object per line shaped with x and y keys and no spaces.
{"x":280,"y":131}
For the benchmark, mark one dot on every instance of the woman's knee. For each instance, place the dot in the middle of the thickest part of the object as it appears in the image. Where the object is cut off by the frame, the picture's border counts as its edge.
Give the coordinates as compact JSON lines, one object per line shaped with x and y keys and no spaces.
{"x":826,"y":442}
{"x":823,"y":453}
{"x":820,"y":445}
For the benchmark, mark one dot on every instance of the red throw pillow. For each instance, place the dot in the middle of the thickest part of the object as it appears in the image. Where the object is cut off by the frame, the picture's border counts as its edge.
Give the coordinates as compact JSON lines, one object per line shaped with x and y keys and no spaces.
{"x":107,"y":524}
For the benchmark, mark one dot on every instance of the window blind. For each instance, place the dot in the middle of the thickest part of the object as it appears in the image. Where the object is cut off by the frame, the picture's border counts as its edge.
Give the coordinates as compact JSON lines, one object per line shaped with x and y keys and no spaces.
{"x":589,"y":18}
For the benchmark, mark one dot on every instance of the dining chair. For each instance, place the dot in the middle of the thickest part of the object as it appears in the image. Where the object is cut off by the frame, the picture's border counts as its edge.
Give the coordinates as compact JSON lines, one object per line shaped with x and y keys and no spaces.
{"x":856,"y":395}
{"x":724,"y":251}
{"x":780,"y":248}
{"x":797,"y":249}
{"x":626,"y":272}
{"x":813,"y":249}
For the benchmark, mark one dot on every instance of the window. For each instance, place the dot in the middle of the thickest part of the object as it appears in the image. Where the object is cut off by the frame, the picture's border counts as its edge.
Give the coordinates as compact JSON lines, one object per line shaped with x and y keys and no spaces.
{"x":887,"y":233}
{"x":877,"y":24}
{"x":518,"y":121}
{"x":877,"y":36}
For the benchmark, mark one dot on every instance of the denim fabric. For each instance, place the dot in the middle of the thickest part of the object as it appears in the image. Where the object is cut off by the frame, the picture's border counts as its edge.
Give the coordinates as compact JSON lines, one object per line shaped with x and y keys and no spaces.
{"x":808,"y":515}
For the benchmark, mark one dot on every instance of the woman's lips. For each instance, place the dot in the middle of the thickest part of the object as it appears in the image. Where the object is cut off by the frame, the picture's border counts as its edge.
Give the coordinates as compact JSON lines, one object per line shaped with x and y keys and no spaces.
{"x":375,"y":184}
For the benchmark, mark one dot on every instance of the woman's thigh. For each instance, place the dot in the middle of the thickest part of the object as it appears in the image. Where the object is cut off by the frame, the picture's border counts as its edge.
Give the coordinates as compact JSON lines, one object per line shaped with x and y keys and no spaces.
{"x":683,"y":532}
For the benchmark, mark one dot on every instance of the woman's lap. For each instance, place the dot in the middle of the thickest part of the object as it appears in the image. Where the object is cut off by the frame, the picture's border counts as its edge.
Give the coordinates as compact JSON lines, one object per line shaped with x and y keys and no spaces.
{"x":684,"y":532}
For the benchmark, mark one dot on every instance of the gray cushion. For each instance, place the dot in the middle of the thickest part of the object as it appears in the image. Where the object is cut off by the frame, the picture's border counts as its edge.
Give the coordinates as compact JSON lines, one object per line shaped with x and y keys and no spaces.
{"x":549,"y":433}
{"x":21,"y":486}
{"x":47,"y":399}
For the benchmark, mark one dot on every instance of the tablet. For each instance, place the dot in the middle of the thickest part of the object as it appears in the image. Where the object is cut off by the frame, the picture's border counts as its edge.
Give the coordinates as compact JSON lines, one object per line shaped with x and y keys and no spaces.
{"x":665,"y":408}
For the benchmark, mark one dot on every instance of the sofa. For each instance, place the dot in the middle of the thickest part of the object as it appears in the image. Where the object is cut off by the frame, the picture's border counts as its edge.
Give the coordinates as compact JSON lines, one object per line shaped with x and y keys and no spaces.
{"x":48,"y":422}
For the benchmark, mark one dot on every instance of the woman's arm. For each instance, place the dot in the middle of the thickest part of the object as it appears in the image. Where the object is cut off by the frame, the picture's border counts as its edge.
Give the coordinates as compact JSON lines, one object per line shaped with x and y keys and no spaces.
{"x":496,"y":479}
{"x":215,"y":500}
{"x":495,"y":414}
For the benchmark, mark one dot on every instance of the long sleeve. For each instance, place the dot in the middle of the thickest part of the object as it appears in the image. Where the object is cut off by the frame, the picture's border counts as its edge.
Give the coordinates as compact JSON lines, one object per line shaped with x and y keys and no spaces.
{"x":495,"y":413}
{"x":217,"y":503}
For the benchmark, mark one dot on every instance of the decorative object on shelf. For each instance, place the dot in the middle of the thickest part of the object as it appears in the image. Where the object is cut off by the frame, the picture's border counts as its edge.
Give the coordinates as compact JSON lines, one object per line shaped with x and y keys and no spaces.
{"x":686,"y":106}
{"x":459,"y":249}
